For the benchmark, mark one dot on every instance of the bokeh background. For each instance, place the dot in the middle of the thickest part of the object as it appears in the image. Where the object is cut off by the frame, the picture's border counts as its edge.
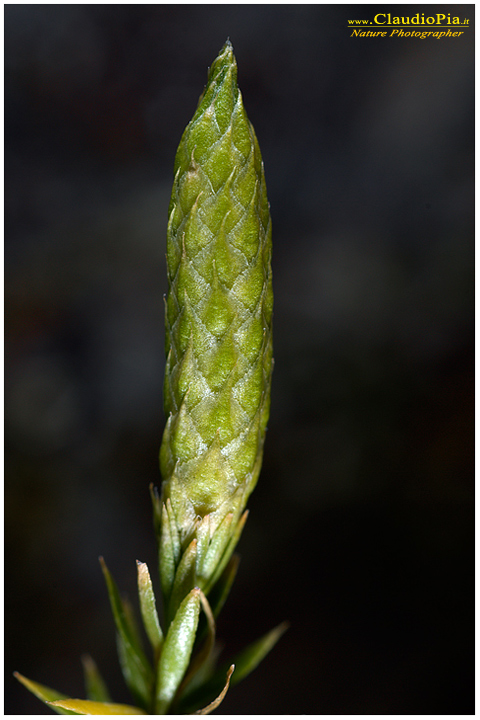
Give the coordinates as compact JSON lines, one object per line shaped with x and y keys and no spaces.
{"x":361,"y":528}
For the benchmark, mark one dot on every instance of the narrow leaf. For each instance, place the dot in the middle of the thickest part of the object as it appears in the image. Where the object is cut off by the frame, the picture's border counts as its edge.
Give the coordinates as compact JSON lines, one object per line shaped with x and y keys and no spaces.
{"x":169,"y":550}
{"x":141,"y":692}
{"x":216,"y":548}
{"x":135,"y":666}
{"x":90,"y":707}
{"x":213,"y":705}
{"x":185,"y":578}
{"x":173,"y":531}
{"x":206,"y":648}
{"x":232,"y":544}
{"x":132,"y":624}
{"x":166,"y":556}
{"x":249,"y":658}
{"x":44,"y":693}
{"x":95,"y":686}
{"x":177,"y":650}
{"x":148,"y":607}
{"x":123,"y":614}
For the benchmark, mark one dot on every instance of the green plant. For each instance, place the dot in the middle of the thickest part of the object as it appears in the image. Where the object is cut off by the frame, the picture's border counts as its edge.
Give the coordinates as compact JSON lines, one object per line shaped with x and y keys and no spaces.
{"x":217,"y":396}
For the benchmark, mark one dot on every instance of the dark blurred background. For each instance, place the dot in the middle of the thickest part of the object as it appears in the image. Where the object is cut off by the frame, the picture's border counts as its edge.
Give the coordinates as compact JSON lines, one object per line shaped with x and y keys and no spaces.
{"x":361,"y":528}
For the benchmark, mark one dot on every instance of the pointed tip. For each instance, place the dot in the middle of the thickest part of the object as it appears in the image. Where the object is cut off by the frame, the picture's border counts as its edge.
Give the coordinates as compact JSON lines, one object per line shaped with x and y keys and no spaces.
{"x":230,"y":53}
{"x":281,"y":629}
{"x":224,"y":59}
{"x":104,"y":567}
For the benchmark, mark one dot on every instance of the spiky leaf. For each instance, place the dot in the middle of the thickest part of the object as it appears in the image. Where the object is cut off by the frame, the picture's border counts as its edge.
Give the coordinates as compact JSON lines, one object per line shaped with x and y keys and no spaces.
{"x":90,"y":707}
{"x":95,"y":685}
{"x":44,"y":693}
{"x":148,"y":607}
{"x":177,"y":650}
{"x":136,"y":669}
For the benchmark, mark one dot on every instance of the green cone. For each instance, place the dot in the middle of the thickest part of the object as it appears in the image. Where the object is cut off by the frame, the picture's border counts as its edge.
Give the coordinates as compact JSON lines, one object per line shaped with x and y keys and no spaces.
{"x":217,"y":397}
{"x":218,"y":331}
